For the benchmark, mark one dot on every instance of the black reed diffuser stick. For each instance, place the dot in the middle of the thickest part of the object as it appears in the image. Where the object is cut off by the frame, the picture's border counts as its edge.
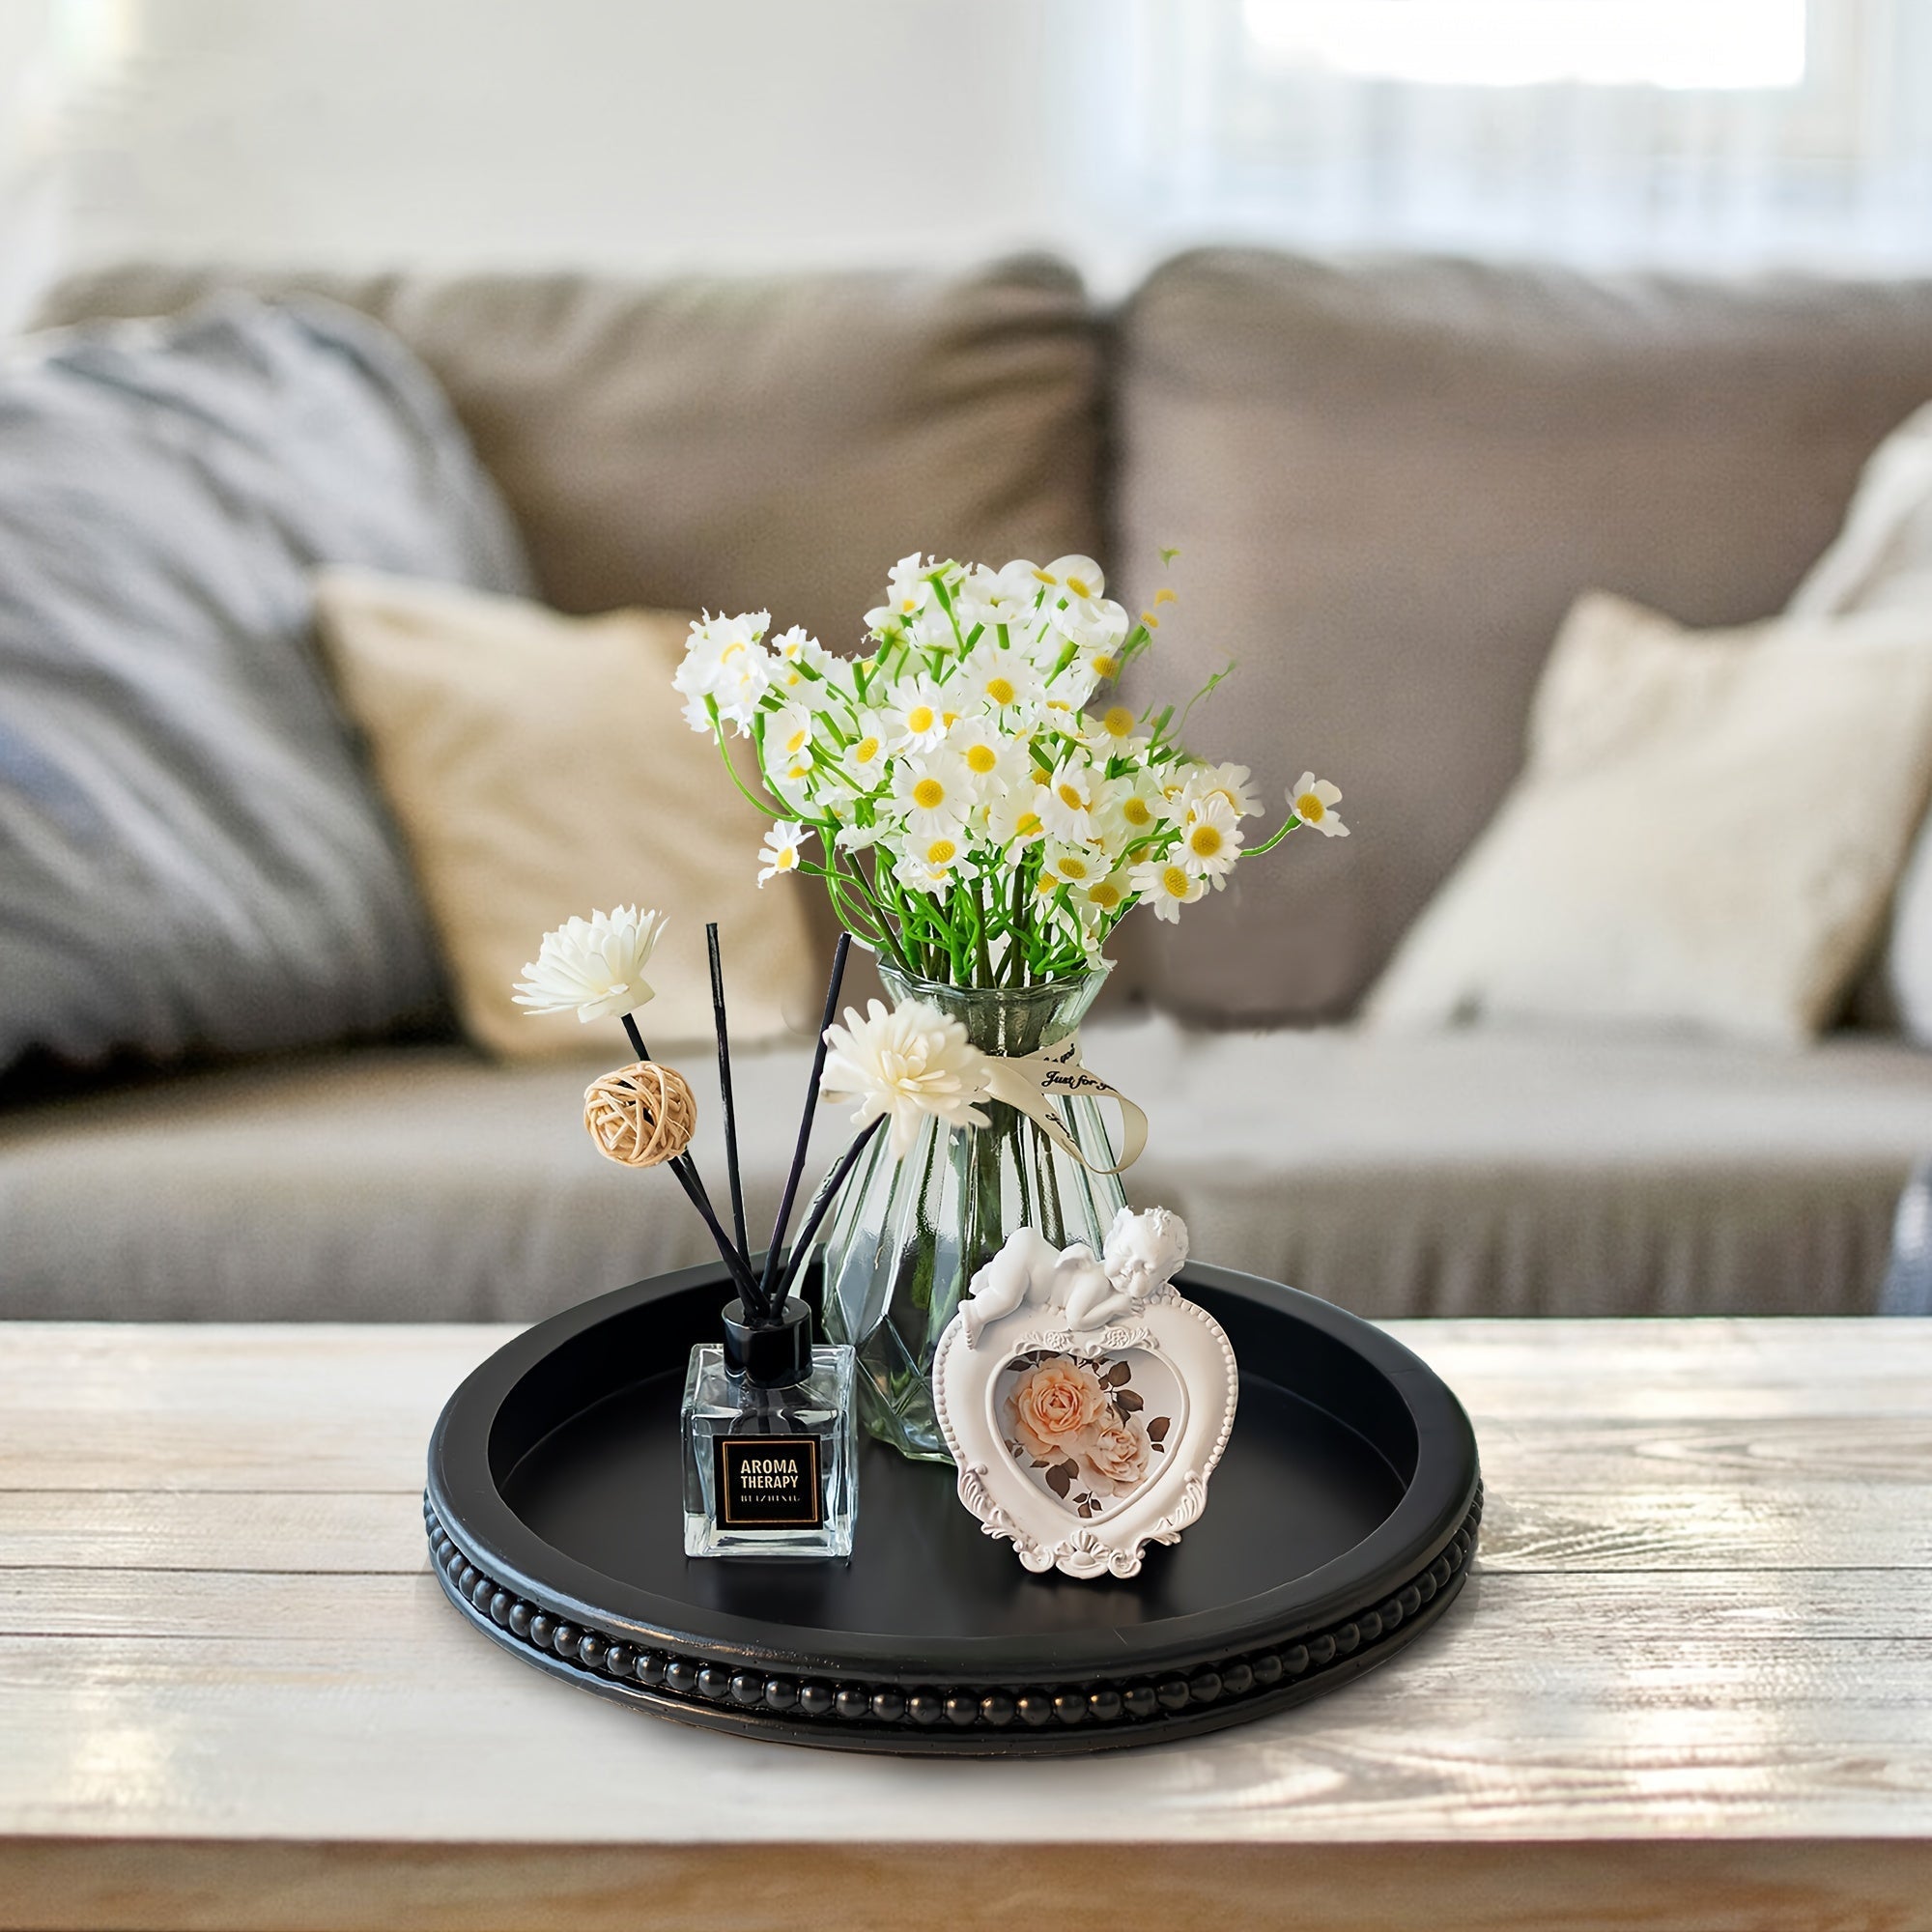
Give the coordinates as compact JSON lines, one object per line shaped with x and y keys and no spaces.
{"x":768,"y":1281}
{"x":685,"y":1169}
{"x":723,"y":1032}
{"x":820,"y":1203}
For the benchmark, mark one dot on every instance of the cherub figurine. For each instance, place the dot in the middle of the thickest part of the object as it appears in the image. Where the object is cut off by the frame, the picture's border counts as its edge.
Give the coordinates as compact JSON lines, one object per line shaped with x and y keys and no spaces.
{"x":1142,"y":1254}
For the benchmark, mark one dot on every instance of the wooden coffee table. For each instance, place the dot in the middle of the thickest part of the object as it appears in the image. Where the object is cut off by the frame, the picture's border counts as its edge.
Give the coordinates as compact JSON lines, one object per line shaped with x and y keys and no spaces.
{"x":1689,"y":1683}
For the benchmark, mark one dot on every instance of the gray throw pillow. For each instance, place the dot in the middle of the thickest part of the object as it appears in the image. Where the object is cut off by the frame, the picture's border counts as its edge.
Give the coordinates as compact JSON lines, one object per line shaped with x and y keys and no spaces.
{"x":191,"y":857}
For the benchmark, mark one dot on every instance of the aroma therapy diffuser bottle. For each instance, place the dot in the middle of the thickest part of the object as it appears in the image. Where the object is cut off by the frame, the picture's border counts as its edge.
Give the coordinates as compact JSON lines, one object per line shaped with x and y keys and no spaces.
{"x":770,"y":1442}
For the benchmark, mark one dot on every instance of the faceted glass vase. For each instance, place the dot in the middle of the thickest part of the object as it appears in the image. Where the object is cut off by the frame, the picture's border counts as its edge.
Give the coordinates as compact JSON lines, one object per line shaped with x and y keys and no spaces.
{"x":908,"y":1235}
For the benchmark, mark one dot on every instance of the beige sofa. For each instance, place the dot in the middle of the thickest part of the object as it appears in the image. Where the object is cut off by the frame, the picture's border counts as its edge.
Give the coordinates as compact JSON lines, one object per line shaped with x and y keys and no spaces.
{"x":1387,"y":480}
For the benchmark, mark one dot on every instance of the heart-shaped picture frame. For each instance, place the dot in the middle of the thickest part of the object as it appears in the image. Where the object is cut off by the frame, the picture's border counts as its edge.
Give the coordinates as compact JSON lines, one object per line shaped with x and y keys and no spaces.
{"x":1086,"y":1402}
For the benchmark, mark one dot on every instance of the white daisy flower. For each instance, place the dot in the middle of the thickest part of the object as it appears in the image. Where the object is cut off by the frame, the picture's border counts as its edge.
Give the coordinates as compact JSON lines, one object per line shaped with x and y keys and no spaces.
{"x":915,"y":715}
{"x":933,"y":792}
{"x":1313,"y":801}
{"x":1167,"y":885}
{"x":715,"y":645}
{"x":908,"y":1066}
{"x":857,"y":838}
{"x":1014,"y":818}
{"x":866,"y":757}
{"x":1006,"y":683}
{"x":1067,"y":800}
{"x":1134,"y":809}
{"x":1210,"y":839}
{"x":593,"y":967}
{"x":993,"y":598}
{"x":1233,"y":782}
{"x":1078,"y":577}
{"x":925,"y":863}
{"x":781,"y":851}
{"x":994,"y":762}
{"x":1117,"y":730}
{"x":1101,"y":898}
{"x":788,"y":736}
{"x":1072,"y":865}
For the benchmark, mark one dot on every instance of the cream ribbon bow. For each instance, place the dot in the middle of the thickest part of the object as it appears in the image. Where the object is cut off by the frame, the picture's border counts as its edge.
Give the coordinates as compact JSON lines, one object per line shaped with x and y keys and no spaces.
{"x":1026,"y":1082}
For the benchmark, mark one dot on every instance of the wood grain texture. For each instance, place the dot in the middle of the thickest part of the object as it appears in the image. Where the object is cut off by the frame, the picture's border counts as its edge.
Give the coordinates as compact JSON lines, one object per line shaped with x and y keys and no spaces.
{"x":1693,"y":1886}
{"x":1689,"y":1682}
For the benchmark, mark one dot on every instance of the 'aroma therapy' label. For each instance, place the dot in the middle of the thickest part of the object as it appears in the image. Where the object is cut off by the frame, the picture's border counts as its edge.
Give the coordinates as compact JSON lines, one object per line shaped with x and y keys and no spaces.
{"x":769,"y":1482}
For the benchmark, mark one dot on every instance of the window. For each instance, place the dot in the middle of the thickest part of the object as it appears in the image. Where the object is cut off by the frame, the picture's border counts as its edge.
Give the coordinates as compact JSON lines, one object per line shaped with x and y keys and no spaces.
{"x":1703,"y":132}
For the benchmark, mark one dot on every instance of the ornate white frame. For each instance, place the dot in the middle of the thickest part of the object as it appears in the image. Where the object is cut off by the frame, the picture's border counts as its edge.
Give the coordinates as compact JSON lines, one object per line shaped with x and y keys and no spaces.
{"x":1045,"y":1535}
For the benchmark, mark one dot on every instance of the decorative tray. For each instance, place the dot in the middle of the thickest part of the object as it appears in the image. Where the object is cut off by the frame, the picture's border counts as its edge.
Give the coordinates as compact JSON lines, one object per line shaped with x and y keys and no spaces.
{"x":1339,"y":1528}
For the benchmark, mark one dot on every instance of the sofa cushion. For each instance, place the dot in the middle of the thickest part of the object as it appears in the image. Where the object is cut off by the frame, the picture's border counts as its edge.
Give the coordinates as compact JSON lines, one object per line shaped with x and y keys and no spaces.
{"x":539,"y":767}
{"x":1450,"y":1175}
{"x":742,"y":444}
{"x":1705,"y":836}
{"x":1388,"y":482}
{"x":191,"y":854}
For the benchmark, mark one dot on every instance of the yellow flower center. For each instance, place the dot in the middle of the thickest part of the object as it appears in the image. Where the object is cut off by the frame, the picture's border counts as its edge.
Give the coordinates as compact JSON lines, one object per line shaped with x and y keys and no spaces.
{"x":928,"y":794}
{"x":981,"y":759}
{"x":1119,"y":722}
{"x":1078,"y":586}
{"x":1175,"y":882}
{"x":1072,"y":866}
{"x":865,"y":751}
{"x":1104,"y":893}
{"x":1164,"y":596}
{"x":1204,"y":841}
{"x":1027,"y":824}
{"x":1135,"y":812}
{"x":1070,"y":797}
{"x":1309,"y":810}
{"x":920,"y":718}
{"x":941,"y":852}
{"x":1045,"y":576}
{"x":798,"y":738}
{"x":1105,"y":665}
{"x":999,"y":689}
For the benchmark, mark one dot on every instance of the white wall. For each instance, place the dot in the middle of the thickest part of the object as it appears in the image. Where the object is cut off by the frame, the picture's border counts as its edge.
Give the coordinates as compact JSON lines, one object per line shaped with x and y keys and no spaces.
{"x":624,"y":134}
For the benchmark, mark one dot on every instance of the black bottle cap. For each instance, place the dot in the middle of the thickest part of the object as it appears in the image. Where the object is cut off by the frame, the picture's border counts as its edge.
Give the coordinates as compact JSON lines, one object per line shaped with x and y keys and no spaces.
{"x":768,"y":1355}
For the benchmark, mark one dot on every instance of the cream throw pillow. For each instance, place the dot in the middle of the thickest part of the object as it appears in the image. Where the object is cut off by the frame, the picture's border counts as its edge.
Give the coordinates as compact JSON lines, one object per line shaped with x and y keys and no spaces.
{"x":1881,"y":560}
{"x":540,"y":766}
{"x":1704,"y":836}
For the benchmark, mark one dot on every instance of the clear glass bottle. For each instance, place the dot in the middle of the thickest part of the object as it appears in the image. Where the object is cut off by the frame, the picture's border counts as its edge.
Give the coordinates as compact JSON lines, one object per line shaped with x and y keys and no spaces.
{"x":908,"y":1235}
{"x":771,"y":1449}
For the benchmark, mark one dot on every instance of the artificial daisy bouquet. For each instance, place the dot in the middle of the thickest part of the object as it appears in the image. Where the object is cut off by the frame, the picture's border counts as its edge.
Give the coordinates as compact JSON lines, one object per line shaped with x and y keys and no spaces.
{"x":980,"y":809}
{"x":984,"y":810}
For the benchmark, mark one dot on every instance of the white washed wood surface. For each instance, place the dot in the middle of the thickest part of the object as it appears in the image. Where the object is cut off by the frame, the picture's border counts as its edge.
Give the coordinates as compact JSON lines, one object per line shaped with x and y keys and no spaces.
{"x":231,"y":1692}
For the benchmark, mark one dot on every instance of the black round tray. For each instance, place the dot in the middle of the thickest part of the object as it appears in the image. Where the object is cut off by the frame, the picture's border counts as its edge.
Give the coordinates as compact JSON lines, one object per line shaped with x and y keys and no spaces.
{"x":1338,"y":1529}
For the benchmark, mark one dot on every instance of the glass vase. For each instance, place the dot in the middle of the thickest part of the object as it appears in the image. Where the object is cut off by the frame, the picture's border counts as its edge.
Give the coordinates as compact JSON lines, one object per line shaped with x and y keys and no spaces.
{"x":908,"y":1235}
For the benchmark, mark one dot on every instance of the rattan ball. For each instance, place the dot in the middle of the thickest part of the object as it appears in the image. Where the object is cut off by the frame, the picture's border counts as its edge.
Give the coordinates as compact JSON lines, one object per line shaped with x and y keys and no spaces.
{"x":640,"y":1114}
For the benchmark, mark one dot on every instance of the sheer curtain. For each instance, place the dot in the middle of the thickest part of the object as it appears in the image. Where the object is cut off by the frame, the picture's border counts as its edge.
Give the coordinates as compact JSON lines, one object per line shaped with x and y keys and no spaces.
{"x":1706,"y":132}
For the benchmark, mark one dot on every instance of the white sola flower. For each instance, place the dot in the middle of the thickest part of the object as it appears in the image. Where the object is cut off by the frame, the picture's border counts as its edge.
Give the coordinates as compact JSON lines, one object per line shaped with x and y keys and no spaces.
{"x":906,"y":1065}
{"x":781,"y":849}
{"x":593,"y":967}
{"x":1313,"y":801}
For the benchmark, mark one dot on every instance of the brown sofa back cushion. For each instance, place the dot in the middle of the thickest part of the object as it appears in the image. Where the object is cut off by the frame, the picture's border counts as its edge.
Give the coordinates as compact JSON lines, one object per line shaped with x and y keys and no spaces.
{"x":1388,"y":482}
{"x":738,"y":444}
